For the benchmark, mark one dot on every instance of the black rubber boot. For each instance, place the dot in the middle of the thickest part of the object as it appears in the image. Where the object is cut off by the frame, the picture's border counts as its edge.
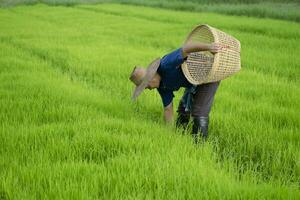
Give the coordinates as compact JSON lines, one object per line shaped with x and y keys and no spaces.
{"x":183,"y":116}
{"x":200,"y":127}
{"x":182,"y":120}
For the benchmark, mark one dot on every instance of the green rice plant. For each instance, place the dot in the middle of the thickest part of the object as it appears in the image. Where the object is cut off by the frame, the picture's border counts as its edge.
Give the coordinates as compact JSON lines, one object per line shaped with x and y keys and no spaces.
{"x":278,"y":9}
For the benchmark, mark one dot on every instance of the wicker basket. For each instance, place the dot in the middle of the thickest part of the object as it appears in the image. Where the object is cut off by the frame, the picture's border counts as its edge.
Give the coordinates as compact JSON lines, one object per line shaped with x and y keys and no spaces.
{"x":204,"y":67}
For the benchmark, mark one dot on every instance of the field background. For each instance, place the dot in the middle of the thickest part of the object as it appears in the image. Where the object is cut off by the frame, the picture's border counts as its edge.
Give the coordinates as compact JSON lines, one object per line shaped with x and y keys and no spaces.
{"x":68,"y":129}
{"x":278,"y":9}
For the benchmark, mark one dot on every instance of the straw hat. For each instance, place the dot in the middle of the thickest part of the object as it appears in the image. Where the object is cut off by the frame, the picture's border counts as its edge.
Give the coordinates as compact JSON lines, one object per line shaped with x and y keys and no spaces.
{"x":141,"y":77}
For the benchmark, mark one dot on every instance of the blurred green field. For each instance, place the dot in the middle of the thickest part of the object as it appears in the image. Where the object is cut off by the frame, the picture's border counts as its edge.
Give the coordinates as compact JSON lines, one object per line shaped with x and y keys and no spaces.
{"x":70,"y":131}
{"x":277,"y":9}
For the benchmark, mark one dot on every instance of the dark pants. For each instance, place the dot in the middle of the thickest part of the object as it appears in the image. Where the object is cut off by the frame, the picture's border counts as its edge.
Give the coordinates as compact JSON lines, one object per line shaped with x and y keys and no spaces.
{"x":202,"y":100}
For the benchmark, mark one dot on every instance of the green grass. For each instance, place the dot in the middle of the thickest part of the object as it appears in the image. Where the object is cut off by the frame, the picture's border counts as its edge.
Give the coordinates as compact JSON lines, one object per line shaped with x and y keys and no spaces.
{"x":286,"y":10}
{"x":277,"y":9}
{"x":70,"y":131}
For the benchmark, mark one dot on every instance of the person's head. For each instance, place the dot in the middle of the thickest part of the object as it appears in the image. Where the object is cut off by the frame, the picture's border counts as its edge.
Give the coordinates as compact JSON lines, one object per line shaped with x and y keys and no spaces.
{"x":137,"y":77}
{"x":145,"y":78}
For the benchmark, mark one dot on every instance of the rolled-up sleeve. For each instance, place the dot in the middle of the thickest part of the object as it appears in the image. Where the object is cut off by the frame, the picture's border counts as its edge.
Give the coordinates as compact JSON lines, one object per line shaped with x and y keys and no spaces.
{"x":173,"y":59}
{"x":166,"y":96}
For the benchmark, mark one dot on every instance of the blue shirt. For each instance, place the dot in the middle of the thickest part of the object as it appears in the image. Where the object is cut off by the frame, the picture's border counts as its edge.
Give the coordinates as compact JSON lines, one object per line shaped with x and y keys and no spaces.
{"x":172,"y":77}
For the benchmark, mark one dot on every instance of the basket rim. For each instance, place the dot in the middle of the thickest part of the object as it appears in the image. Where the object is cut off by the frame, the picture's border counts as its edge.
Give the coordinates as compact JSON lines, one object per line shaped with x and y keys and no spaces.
{"x":196,"y":28}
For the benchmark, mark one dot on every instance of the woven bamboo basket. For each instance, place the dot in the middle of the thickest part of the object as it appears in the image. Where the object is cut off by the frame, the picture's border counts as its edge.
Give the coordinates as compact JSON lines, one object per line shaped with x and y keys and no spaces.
{"x":204,"y":67}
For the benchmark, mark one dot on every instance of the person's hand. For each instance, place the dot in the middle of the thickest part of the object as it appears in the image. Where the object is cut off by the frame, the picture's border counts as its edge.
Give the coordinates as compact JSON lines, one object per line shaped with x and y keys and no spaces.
{"x":217,"y":47}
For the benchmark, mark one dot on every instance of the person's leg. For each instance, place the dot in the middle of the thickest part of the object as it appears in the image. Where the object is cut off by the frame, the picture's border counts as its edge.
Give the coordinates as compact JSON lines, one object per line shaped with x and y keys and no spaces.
{"x":202,"y":102}
{"x":183,"y":115}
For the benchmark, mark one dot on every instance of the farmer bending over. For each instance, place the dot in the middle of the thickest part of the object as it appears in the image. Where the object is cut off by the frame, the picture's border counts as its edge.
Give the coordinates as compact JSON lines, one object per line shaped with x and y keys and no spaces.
{"x":166,"y":75}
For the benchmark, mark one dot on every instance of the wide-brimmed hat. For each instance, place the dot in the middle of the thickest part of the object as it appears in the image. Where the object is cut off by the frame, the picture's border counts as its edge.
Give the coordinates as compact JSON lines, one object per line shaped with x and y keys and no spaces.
{"x":141,"y":77}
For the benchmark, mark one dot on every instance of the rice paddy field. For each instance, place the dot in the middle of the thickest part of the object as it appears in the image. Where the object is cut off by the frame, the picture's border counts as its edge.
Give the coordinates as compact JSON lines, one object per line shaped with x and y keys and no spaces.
{"x":69,"y":130}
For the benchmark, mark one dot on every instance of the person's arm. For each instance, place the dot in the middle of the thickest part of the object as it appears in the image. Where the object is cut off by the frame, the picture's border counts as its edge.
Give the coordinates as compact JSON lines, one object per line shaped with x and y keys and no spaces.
{"x":168,"y":113}
{"x":197,"y":46}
